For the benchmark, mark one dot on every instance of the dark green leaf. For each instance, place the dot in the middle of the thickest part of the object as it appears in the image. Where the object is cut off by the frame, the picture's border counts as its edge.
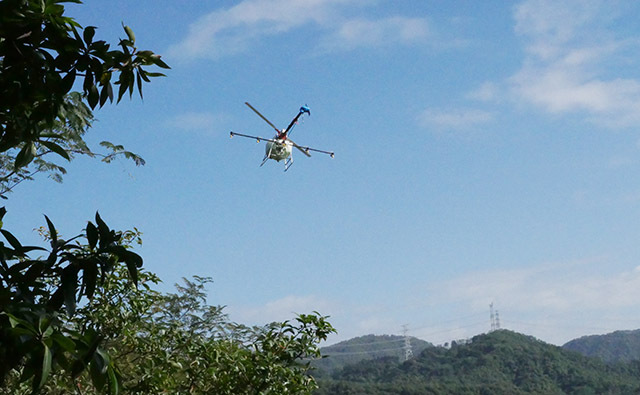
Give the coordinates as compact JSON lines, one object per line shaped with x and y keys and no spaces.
{"x":139,"y":82}
{"x":104,"y":94}
{"x":105,"y":234}
{"x":89,"y":278}
{"x":121,"y":91}
{"x":64,"y":342}
{"x":132,"y":267}
{"x":26,"y":155}
{"x":67,"y":81}
{"x":11,"y":239}
{"x":153,"y":74}
{"x":158,"y":62}
{"x":57,"y":149}
{"x":69,"y":285}
{"x":92,"y":235}
{"x":93,"y":97}
{"x":88,"y":34}
{"x":88,"y":81}
{"x":98,"y":378}
{"x":52,"y":232}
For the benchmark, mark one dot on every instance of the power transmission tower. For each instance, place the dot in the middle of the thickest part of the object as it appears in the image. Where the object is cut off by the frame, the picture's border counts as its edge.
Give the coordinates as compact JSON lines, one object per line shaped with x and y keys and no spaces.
{"x":408,"y":352}
{"x":494,"y":316}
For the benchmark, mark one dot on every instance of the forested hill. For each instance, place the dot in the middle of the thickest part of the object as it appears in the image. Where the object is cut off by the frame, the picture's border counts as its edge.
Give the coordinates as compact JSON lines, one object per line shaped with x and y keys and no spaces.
{"x":501,"y":362}
{"x":619,"y":346}
{"x":365,"y":348}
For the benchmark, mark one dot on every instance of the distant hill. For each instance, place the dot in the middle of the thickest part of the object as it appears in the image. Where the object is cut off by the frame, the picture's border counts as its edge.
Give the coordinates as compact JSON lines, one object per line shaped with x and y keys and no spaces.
{"x":365,"y":348}
{"x":619,"y":346}
{"x":500,"y":362}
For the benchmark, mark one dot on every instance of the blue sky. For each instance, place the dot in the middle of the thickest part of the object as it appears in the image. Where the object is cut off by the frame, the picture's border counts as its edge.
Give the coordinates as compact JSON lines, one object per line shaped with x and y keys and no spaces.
{"x":484,"y":153}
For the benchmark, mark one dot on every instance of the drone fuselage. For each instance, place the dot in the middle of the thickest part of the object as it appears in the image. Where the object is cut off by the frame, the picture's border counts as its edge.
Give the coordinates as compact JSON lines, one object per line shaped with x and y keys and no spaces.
{"x":279,"y":149}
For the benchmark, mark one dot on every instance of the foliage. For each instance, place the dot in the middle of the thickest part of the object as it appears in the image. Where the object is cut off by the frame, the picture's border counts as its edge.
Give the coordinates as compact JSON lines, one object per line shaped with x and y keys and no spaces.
{"x":44,"y":55}
{"x":500,"y":362}
{"x":38,"y":296}
{"x":183,"y":345}
{"x":176,"y":343}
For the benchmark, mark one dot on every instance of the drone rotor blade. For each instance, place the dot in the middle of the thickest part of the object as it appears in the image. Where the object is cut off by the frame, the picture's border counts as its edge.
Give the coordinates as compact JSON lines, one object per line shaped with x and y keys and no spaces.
{"x":262,"y":116}
{"x":259,"y":139}
{"x":304,"y":150}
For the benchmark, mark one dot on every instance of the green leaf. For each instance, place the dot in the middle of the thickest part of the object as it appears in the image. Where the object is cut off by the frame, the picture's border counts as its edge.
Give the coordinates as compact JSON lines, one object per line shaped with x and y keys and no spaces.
{"x":3,"y":211}
{"x":26,"y":155}
{"x":130,"y":34}
{"x":57,"y":149}
{"x":64,"y":342}
{"x":46,"y":366}
{"x":114,"y":382}
{"x":158,"y":62}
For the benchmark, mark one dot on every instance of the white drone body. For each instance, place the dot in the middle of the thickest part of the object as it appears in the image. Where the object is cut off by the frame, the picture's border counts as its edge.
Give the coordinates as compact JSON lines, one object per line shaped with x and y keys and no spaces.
{"x":280,"y":147}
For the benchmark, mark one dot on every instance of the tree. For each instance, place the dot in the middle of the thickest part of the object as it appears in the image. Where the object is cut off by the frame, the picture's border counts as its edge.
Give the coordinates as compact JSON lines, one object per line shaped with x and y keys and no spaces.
{"x":177,"y":343}
{"x":43,"y":55}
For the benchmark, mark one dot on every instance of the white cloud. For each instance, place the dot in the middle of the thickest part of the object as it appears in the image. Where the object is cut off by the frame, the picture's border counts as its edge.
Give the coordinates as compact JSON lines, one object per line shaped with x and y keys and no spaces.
{"x":486,"y":92}
{"x":453,"y":118}
{"x":557,"y":287}
{"x":555,"y":302}
{"x":233,"y":30}
{"x":372,"y":33}
{"x":195,"y":121}
{"x":279,"y":310}
{"x":573,"y":61}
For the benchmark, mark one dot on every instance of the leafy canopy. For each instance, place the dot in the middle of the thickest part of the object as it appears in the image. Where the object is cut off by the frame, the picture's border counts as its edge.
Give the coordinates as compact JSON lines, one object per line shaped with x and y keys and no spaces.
{"x":44,"y":56}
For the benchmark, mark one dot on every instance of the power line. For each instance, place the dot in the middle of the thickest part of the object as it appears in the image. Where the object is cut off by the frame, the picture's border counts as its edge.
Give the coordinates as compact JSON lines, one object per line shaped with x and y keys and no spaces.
{"x":363,"y":352}
{"x":370,"y":343}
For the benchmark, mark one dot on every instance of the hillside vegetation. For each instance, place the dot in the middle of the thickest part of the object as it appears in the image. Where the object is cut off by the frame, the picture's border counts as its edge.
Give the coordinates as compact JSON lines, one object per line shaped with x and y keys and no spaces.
{"x":619,"y":346}
{"x":361,"y":348}
{"x":501,"y":362}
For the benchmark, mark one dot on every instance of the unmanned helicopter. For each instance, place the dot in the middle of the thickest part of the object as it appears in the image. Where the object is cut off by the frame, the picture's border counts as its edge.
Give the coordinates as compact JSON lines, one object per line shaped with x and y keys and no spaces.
{"x":280,"y":146}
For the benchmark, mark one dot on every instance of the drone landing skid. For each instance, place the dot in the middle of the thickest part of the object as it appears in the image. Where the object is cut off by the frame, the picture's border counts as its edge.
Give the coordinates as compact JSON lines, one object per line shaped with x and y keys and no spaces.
{"x":266,"y":156}
{"x":287,"y":163}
